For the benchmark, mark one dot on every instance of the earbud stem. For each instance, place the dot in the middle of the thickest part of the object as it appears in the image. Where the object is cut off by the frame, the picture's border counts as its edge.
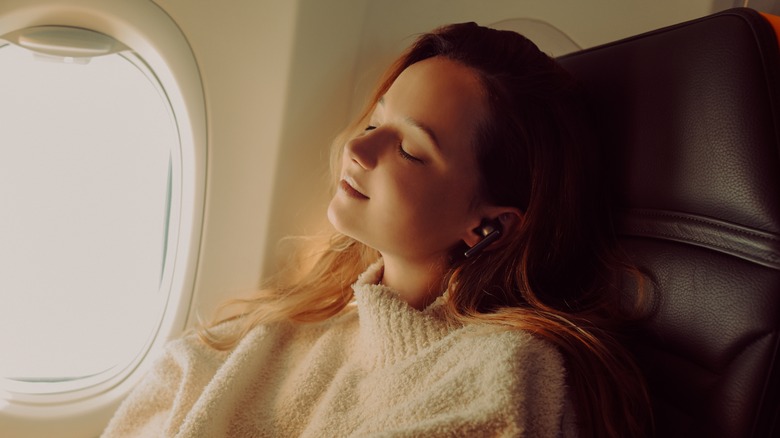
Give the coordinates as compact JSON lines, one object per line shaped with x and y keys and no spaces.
{"x":482,"y":244}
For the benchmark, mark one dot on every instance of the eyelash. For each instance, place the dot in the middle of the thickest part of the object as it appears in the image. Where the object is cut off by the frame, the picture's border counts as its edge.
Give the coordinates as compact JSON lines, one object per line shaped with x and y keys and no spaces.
{"x":405,"y":155}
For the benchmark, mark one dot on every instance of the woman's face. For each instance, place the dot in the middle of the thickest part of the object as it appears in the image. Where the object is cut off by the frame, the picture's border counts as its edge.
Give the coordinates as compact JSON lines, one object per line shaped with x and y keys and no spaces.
{"x":409,"y":180}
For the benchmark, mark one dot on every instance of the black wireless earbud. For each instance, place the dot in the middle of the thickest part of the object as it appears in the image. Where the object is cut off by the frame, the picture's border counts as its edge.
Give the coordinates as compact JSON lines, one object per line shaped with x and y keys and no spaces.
{"x":490,"y":230}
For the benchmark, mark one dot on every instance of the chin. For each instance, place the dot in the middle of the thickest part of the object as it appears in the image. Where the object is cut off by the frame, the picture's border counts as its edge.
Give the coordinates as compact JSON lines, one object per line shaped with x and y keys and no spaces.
{"x":333,"y":217}
{"x":337,"y":221}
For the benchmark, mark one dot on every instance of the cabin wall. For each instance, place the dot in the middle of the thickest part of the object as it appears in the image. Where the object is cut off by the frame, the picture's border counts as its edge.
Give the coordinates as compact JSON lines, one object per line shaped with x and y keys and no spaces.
{"x":277,"y":77}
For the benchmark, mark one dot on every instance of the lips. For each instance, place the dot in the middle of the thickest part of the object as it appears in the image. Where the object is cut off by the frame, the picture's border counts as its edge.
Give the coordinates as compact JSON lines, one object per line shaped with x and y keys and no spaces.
{"x":350,"y":190}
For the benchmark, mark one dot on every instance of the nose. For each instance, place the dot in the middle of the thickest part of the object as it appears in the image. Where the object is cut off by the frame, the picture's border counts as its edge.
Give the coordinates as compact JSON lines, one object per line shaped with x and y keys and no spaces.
{"x":363,"y":150}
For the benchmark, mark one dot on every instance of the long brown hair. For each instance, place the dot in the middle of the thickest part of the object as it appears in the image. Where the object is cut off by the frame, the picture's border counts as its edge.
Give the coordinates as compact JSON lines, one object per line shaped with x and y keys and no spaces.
{"x":556,"y":275}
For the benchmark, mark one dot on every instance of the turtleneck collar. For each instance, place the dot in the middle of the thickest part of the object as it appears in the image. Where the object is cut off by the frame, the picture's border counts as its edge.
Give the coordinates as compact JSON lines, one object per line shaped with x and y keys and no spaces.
{"x":391,"y":329}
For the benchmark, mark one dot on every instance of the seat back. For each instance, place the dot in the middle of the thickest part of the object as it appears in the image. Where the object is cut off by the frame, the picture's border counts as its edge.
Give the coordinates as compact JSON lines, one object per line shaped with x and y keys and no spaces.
{"x":690,"y":120}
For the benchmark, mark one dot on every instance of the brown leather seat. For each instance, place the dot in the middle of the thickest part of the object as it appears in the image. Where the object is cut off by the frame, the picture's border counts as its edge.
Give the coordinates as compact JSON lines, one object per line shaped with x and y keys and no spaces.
{"x":690,"y":122}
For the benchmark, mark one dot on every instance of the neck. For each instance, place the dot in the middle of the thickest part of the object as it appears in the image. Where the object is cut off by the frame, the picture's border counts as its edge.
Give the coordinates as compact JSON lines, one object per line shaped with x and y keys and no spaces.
{"x":418,"y":283}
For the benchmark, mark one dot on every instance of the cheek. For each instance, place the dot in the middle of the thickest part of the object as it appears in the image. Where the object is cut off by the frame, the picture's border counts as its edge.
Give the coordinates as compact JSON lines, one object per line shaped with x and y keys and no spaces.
{"x":435,"y":204}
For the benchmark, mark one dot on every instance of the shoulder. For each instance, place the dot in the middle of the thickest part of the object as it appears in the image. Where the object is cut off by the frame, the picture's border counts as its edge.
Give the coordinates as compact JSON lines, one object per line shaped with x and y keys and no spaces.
{"x":520,"y":375}
{"x":510,"y":361}
{"x":190,"y":353}
{"x":534,"y":374}
{"x":519,"y":347}
{"x":535,"y":365}
{"x":262,"y":343}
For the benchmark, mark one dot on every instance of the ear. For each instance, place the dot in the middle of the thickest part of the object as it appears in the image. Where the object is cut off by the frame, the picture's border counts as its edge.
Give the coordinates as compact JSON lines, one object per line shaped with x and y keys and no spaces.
{"x":509,"y":217}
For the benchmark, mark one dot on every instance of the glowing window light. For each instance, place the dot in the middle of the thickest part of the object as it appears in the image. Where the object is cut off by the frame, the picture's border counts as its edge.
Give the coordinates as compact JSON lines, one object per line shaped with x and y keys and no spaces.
{"x":86,"y":147}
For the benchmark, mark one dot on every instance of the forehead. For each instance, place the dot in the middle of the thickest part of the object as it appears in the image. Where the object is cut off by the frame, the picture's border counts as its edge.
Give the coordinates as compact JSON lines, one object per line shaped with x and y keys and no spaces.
{"x":440,"y":94}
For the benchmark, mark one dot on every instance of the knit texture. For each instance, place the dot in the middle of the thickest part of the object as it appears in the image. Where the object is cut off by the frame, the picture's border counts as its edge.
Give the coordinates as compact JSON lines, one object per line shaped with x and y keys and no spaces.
{"x":383,"y":369}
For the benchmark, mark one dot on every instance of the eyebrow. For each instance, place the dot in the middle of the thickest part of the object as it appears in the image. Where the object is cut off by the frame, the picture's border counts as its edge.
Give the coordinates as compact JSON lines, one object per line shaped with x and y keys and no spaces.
{"x":417,"y":124}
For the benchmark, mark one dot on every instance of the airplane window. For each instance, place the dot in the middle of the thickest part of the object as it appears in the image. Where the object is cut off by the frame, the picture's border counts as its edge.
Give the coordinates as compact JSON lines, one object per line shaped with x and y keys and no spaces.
{"x":90,"y":149}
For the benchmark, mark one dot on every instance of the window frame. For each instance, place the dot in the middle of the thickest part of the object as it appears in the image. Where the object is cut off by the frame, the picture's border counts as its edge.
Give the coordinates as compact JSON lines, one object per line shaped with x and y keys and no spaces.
{"x":158,"y":42}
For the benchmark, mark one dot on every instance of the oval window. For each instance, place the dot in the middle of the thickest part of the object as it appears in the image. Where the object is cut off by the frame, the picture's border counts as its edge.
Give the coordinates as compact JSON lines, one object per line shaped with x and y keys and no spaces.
{"x":90,"y":152}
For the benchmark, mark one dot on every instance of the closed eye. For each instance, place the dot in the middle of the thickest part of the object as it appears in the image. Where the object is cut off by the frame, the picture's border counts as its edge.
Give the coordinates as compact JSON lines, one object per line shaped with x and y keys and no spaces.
{"x":407,"y":156}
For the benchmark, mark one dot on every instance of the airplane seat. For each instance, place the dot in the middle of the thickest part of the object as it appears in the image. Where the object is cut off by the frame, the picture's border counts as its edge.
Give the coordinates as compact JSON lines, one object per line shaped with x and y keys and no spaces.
{"x":689,"y":119}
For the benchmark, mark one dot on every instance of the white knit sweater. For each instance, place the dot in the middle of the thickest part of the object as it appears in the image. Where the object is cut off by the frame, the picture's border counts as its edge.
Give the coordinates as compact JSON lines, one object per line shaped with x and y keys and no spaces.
{"x":384,"y":370}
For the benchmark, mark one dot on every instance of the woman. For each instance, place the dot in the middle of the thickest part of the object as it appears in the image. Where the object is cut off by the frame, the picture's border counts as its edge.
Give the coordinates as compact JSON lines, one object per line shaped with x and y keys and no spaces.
{"x":470,"y":288}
